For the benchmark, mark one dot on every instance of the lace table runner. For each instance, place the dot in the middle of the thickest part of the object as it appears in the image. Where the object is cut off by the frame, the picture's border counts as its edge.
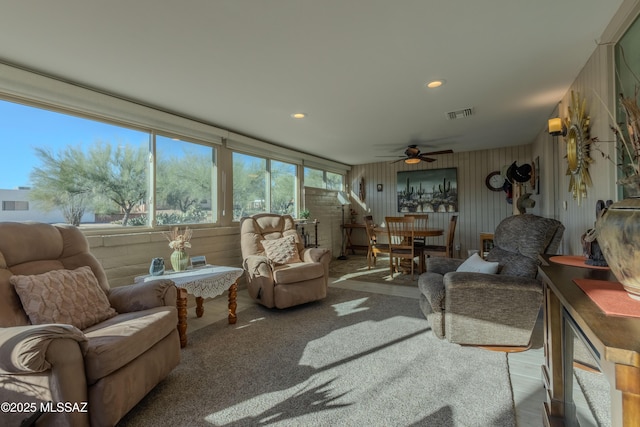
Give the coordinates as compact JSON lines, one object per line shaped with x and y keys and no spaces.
{"x":206,"y":282}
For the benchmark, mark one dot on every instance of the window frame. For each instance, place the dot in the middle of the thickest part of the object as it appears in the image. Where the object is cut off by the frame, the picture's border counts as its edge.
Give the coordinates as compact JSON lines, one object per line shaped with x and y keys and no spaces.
{"x":92,"y":229}
{"x":268,"y":201}
{"x":325,"y":180}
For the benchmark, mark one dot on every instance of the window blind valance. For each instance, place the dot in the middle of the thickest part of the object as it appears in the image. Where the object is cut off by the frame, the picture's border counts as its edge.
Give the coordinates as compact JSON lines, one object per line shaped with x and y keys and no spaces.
{"x":256,"y":147}
{"x":25,"y":86}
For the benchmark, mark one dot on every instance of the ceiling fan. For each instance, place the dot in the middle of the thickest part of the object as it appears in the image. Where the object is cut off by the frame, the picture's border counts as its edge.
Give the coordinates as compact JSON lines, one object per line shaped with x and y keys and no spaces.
{"x":413,"y":155}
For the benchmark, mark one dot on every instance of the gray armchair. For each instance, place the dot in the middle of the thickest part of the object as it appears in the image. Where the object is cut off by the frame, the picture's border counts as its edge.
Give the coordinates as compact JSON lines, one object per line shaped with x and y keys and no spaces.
{"x":281,"y":283}
{"x":492,"y":309}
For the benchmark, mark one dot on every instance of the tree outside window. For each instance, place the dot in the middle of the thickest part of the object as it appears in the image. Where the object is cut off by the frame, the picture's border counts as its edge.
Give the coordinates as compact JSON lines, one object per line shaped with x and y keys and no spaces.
{"x":82,"y":171}
{"x":322,"y":179}
{"x":283,"y":188}
{"x":184,"y":182}
{"x":263,"y":185}
{"x":314,"y":178}
{"x":249,"y":185}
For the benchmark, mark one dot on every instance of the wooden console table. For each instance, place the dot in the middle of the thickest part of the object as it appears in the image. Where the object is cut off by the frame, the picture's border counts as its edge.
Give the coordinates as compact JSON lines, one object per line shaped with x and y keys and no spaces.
{"x":486,"y":244}
{"x":204,"y":282}
{"x":613,"y":341}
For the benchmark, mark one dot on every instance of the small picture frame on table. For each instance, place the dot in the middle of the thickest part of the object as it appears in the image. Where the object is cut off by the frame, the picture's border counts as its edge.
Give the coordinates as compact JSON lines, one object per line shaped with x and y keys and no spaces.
{"x":198,"y":261}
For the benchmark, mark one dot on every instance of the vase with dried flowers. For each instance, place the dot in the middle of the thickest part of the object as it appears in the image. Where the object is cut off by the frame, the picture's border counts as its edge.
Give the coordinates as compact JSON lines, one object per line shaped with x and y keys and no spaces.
{"x":179,"y":242}
{"x":618,"y":227}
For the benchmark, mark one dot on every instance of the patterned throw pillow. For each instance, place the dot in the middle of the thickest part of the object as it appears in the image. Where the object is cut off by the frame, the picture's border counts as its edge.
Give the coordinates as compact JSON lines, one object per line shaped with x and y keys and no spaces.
{"x":63,"y":296}
{"x":281,"y":251}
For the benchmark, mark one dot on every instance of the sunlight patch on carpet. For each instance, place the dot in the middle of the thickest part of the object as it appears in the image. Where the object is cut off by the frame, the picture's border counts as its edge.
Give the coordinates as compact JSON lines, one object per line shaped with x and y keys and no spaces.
{"x":350,"y":307}
{"x":359,"y":341}
{"x":308,"y":366}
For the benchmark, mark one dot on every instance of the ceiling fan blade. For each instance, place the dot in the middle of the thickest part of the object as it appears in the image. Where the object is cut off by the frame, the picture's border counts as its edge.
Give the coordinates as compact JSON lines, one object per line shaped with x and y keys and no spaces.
{"x":433,"y":153}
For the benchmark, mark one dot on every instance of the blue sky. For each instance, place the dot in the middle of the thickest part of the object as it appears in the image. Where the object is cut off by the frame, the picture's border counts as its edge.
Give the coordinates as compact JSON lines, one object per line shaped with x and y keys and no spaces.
{"x":22,"y":128}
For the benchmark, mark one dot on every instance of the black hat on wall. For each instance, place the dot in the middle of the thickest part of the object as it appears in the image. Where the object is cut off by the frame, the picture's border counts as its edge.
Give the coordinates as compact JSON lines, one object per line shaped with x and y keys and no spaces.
{"x":517,"y":173}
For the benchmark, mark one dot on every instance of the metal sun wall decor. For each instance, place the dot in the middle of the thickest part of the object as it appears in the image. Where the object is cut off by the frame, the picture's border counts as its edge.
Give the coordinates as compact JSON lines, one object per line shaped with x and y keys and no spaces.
{"x":431,"y":190}
{"x":578,"y":144}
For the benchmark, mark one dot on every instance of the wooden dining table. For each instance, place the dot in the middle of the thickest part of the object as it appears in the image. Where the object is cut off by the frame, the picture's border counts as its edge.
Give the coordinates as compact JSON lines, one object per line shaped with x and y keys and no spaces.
{"x":417,"y":232}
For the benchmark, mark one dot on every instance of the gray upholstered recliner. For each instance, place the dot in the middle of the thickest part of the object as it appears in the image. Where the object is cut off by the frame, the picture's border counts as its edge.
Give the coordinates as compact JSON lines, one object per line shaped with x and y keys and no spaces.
{"x":109,"y":365}
{"x":492,"y":309}
{"x":275,"y":284}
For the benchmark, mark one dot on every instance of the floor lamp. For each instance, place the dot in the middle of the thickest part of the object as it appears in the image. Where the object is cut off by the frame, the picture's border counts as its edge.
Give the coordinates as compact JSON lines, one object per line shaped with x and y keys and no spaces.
{"x":343,"y":198}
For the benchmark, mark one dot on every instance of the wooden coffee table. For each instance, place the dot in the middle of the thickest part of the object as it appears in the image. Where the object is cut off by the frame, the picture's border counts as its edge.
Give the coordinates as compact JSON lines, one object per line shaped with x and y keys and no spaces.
{"x":204,"y":282}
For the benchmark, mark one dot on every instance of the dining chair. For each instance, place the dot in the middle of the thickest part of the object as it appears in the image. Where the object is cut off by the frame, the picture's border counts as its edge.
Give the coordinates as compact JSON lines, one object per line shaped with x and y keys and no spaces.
{"x":420,"y":222}
{"x":375,"y":247}
{"x":400,"y":231}
{"x":446,"y":250}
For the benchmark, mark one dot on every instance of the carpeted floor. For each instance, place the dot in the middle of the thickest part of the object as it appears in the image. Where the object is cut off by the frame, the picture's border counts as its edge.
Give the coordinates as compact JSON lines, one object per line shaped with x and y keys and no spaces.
{"x":355,"y":268}
{"x":597,"y":392}
{"x":353,"y":359}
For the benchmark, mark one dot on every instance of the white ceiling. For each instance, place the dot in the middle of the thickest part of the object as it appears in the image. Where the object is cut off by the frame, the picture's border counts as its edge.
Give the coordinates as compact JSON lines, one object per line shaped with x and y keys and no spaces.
{"x":356,"y":67}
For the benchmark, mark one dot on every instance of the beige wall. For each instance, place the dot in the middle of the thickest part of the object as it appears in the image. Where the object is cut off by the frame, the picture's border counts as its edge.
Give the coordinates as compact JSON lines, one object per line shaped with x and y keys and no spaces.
{"x":323,"y":205}
{"x":579,"y":215}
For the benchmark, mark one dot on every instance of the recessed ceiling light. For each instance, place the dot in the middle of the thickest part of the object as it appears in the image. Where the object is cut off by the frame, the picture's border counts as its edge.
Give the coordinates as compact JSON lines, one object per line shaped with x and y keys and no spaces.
{"x":435,"y":83}
{"x":298,"y":115}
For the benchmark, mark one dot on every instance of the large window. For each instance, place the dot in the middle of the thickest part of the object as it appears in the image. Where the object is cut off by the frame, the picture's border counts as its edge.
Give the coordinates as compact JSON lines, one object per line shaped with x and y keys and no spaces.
{"x":249,"y":185}
{"x":626,"y":73}
{"x":184,"y":181}
{"x":108,"y":169}
{"x":85,"y":172}
{"x":262,"y":185}
{"x":77,"y":171}
{"x":283,"y":188}
{"x":323,"y":179}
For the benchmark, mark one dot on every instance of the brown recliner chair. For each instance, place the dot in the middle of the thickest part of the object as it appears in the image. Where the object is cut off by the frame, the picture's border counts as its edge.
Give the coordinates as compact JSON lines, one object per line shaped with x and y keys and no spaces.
{"x":110,"y":365}
{"x":281,"y":282}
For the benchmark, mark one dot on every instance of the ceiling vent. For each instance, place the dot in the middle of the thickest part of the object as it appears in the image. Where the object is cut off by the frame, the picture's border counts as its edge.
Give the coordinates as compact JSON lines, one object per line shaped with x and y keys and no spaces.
{"x":459,"y":114}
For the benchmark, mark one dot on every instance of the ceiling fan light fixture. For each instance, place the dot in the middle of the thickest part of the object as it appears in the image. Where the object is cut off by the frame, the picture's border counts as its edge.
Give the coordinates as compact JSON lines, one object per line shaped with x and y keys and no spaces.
{"x":412,"y":160}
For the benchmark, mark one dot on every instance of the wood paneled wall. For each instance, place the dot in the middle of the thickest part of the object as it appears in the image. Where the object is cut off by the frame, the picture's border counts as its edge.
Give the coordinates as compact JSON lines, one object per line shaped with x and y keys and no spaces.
{"x":578,"y":217}
{"x":480,"y":209}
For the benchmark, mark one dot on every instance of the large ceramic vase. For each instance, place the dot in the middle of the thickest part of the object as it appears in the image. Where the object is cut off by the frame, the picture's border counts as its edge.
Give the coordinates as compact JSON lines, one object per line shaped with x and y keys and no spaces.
{"x":618,"y":232}
{"x":179,"y":260}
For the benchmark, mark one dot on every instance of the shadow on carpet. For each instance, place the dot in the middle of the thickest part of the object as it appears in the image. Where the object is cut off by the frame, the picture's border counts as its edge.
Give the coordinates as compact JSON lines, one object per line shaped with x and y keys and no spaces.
{"x":352,"y":359}
{"x":355,"y":268}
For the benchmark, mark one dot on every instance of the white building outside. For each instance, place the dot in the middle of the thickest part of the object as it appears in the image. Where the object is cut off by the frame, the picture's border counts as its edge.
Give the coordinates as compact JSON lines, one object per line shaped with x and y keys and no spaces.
{"x":15,"y":205}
